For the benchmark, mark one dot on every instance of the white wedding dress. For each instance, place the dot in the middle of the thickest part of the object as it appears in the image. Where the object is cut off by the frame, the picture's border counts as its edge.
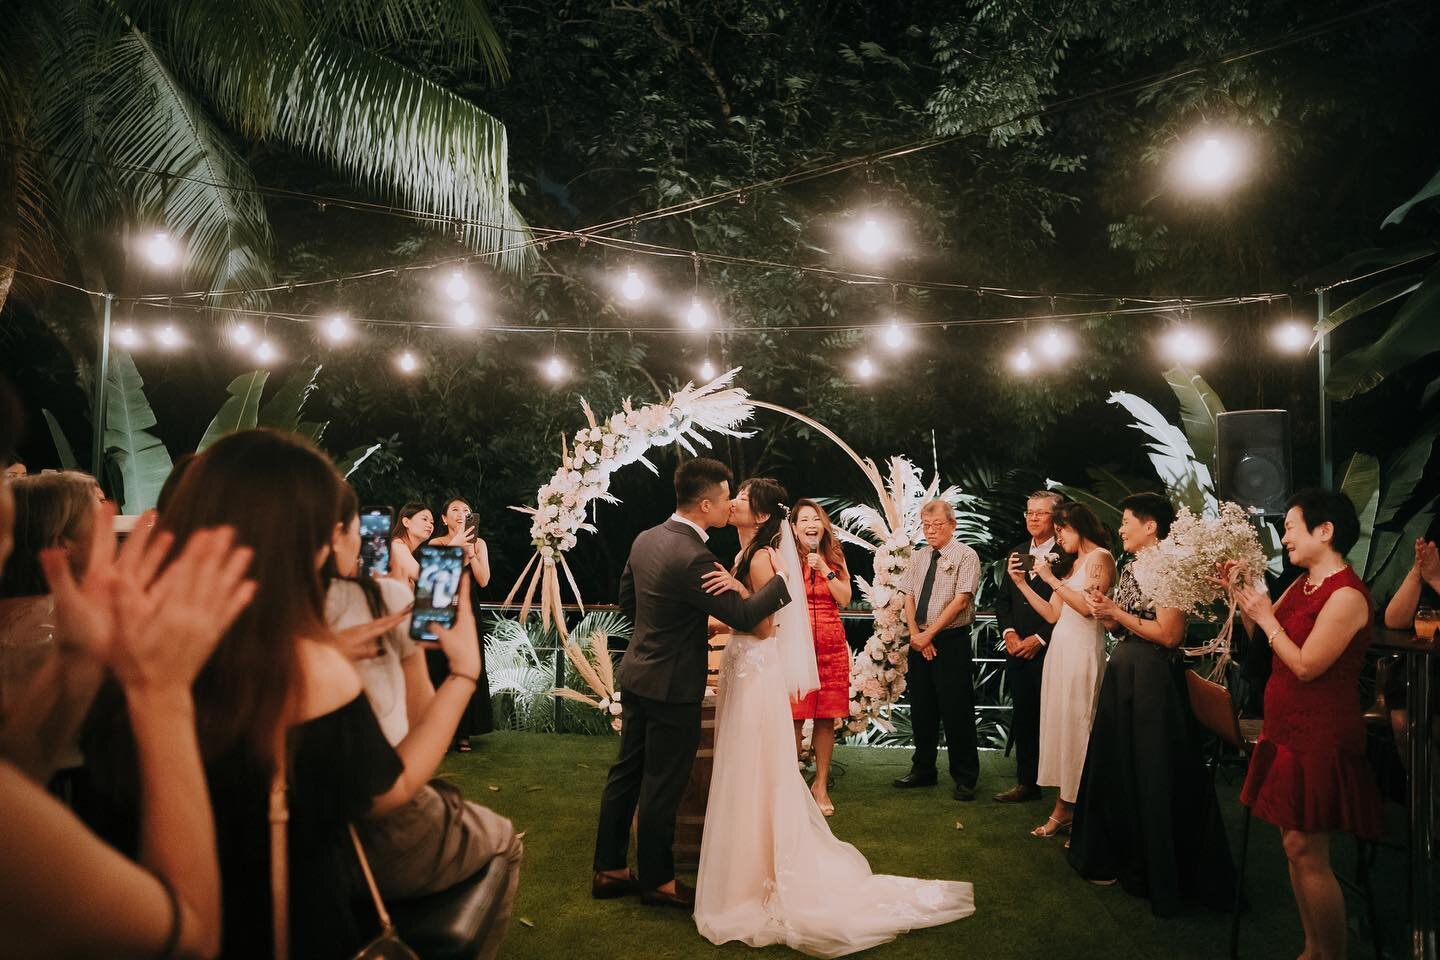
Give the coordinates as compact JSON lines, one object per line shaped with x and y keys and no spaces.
{"x":770,"y":869}
{"x":1070,"y":689}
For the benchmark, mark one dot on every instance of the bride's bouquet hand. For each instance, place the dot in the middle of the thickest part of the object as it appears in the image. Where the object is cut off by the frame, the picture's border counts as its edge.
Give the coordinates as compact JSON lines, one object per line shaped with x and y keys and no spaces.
{"x":720,"y":581}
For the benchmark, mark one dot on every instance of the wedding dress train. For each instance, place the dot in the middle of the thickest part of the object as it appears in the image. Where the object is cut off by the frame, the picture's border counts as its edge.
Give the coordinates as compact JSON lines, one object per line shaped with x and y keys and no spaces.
{"x":770,"y":869}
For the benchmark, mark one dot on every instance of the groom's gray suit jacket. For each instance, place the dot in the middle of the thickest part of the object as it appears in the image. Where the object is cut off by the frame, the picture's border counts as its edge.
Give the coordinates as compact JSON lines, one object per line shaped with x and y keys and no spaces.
{"x":662,"y":595}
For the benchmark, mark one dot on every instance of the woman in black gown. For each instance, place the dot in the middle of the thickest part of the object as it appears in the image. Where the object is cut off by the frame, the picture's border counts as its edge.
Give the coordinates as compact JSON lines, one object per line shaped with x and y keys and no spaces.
{"x":1146,"y":814}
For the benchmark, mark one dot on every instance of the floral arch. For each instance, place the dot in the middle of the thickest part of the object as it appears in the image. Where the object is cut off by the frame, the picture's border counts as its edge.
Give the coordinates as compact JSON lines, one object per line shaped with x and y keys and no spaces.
{"x":877,"y":675}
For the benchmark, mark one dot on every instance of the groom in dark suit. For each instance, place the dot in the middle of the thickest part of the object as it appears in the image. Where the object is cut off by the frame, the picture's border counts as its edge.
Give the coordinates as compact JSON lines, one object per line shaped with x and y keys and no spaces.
{"x":1026,"y":634}
{"x":662,"y":678}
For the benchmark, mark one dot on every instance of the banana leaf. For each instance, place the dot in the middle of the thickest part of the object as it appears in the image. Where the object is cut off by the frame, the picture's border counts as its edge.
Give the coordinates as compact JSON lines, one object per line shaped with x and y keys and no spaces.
{"x":1108,"y":513}
{"x":282,"y":411}
{"x":1186,"y":480}
{"x":351,"y":461}
{"x":1388,"y":573}
{"x":62,"y":445}
{"x":1377,"y":296}
{"x":240,"y":411}
{"x":1427,"y":192}
{"x":140,"y":458}
{"x":1199,"y":406}
{"x":1360,"y":481}
{"x":1414,"y":333}
{"x":1406,"y":470}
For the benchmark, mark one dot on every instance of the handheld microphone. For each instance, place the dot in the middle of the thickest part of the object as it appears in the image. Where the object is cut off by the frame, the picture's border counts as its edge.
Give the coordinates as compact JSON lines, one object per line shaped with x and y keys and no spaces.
{"x":812,"y":544}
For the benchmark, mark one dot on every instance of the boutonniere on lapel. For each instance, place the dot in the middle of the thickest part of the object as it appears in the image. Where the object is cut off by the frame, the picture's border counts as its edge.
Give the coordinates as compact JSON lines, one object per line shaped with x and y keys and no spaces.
{"x":946,"y":564}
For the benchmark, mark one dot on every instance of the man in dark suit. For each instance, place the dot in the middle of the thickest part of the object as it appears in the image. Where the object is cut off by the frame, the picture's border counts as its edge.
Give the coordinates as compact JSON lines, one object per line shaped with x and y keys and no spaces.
{"x":662,"y":679}
{"x":1026,"y":634}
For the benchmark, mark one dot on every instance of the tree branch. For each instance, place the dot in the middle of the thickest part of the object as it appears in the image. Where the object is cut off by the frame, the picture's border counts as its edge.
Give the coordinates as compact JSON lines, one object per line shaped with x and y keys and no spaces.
{"x":695,"y":53}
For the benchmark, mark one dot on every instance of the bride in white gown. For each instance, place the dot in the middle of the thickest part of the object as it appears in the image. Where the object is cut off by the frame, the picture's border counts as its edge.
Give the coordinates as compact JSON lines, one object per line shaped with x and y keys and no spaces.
{"x":770,"y":869}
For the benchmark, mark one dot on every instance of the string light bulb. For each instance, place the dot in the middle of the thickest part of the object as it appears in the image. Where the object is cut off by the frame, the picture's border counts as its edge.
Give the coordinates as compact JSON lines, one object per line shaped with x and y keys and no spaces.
{"x":337,"y":329}
{"x":555,"y":369}
{"x":1211,"y":162}
{"x":160,"y":249}
{"x":1291,"y":337}
{"x":632,"y":288}
{"x":266,"y":353}
{"x":707,"y":370}
{"x":1055,"y":345}
{"x":697,"y":316}
{"x":241,"y":335}
{"x":407,"y":362}
{"x":871,"y":237}
{"x":1021,"y":361}
{"x":465,"y":315}
{"x":128,"y":337}
{"x":865,"y":367}
{"x":1186,"y":346}
{"x":895,"y":336}
{"x":457,"y":288}
{"x":169,"y":337}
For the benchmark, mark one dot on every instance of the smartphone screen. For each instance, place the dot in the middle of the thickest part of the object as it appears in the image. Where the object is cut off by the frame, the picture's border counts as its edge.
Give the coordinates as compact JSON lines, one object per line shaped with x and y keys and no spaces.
{"x":375,"y":523}
{"x":1027,"y":561}
{"x":437,"y":591}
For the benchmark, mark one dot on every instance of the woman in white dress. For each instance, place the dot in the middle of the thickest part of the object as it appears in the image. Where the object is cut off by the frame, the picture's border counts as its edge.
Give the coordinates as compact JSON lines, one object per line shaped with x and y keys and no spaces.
{"x":770,"y":869}
{"x":1075,"y":660}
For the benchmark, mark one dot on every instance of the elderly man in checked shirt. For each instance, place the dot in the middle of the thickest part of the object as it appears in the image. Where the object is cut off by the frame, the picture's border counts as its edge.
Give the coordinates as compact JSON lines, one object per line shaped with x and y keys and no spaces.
{"x":939,"y":586}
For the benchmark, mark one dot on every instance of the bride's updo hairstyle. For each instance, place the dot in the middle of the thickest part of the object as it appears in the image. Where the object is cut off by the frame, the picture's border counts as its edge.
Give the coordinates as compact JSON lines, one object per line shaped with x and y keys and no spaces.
{"x":766,"y":497}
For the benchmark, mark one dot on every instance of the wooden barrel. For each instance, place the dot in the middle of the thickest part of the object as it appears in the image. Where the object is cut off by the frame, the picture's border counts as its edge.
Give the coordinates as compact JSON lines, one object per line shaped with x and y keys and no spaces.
{"x":690,"y":820}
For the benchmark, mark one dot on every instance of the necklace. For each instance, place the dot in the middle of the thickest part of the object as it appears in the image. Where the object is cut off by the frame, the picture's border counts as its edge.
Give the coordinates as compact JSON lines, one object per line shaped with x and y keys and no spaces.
{"x":1308,"y":587}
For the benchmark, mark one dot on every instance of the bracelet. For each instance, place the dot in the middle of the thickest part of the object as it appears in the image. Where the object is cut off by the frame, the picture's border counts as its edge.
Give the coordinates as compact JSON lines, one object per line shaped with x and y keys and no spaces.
{"x":466,"y":676}
{"x":1270,"y":637}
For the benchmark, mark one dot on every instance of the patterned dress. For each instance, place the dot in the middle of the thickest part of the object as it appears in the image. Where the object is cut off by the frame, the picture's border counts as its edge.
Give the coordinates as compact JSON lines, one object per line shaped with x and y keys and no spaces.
{"x":832,"y":654}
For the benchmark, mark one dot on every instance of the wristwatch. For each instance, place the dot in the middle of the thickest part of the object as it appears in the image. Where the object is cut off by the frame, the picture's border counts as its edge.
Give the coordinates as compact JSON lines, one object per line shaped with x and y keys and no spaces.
{"x":831,"y":575}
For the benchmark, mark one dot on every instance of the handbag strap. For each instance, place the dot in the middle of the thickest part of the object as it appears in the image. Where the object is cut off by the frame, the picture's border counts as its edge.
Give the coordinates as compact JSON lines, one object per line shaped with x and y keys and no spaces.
{"x":385,"y":925}
{"x":279,"y":853}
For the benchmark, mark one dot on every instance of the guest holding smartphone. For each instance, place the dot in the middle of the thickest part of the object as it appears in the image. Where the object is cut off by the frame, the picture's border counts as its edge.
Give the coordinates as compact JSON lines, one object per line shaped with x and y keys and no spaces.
{"x":413,"y":526}
{"x":460,"y":531}
{"x":827,"y":589}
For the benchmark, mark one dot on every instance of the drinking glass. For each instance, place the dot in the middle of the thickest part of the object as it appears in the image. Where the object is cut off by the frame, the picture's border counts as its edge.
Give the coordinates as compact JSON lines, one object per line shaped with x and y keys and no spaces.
{"x":1426,"y":620}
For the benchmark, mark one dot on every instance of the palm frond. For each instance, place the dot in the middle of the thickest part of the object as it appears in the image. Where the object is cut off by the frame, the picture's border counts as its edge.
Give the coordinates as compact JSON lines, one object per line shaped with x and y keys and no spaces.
{"x":378,"y":122}
{"x":153,"y":123}
{"x":461,"y":31}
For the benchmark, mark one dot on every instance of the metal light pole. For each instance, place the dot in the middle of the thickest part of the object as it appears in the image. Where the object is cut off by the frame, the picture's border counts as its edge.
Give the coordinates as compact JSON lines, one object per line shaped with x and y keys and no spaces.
{"x":1322,"y":357}
{"x":102,"y":375}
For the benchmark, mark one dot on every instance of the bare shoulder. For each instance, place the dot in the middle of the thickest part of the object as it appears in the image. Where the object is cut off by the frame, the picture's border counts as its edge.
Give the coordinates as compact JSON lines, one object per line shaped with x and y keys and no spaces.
{"x":1349,"y":602}
{"x":397,"y":595}
{"x":330,"y":680}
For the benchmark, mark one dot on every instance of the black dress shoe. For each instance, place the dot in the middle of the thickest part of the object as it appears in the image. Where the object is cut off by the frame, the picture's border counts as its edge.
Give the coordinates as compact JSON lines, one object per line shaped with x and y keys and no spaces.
{"x":1018,"y":794}
{"x":603,"y":887}
{"x":913,"y":779}
{"x":683,"y":897}
{"x":963,"y":792}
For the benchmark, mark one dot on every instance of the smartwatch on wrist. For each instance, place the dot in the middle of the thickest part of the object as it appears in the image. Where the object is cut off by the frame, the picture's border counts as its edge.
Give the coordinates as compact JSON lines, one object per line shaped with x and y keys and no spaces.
{"x":832,"y":575}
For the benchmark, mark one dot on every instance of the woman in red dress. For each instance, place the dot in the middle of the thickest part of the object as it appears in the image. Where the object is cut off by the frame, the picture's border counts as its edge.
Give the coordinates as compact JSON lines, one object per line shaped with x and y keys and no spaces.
{"x":1309,"y":775}
{"x":827,"y":589}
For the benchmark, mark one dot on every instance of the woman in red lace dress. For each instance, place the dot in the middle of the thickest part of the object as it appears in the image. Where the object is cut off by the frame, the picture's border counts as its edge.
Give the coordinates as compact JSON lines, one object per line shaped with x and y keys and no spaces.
{"x":1309,"y":775}
{"x":827,"y":589}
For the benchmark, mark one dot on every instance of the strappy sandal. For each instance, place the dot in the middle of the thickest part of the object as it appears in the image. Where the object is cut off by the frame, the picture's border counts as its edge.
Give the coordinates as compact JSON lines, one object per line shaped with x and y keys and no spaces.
{"x":1061,"y":826}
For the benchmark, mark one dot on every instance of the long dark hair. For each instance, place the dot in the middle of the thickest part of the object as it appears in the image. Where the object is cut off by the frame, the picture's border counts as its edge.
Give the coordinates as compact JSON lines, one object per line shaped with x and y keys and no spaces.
{"x":349,"y":510}
{"x":397,"y":529}
{"x":50,"y":509}
{"x":242,"y":694}
{"x":1083,"y":521}
{"x":768,"y":497}
{"x":829,"y":547}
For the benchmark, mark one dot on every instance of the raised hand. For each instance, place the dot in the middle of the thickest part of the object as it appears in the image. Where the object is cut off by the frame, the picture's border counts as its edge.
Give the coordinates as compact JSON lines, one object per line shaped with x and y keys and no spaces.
{"x":1014,"y":569}
{"x":365,"y":641}
{"x":461,"y":642}
{"x":720,"y":581}
{"x":1042,"y":570}
{"x":1255,"y":604}
{"x":1427,"y":560}
{"x":166,"y":630}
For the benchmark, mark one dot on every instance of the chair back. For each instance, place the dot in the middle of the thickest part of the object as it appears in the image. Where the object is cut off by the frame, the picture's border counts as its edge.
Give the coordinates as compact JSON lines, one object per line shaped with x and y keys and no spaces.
{"x":1213,"y":708}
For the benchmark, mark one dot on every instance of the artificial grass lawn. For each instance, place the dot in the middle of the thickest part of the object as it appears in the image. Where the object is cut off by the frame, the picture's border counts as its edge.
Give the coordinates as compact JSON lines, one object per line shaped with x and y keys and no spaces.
{"x":1029,"y":903}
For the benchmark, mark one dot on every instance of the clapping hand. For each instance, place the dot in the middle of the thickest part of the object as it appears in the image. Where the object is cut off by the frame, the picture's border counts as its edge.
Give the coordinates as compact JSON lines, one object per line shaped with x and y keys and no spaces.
{"x":1102,"y":606}
{"x":720,"y":581}
{"x":1427,"y":561}
{"x":153,"y":628}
